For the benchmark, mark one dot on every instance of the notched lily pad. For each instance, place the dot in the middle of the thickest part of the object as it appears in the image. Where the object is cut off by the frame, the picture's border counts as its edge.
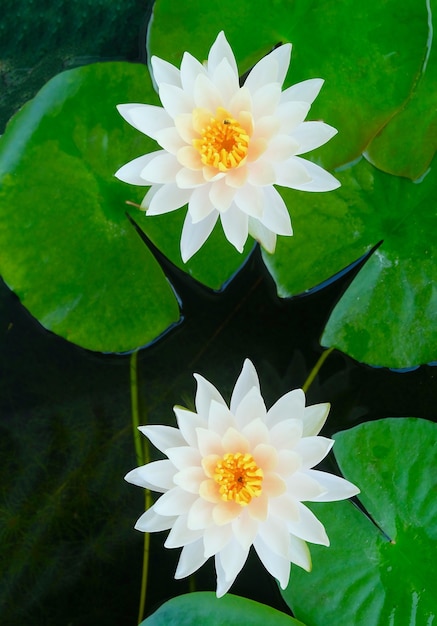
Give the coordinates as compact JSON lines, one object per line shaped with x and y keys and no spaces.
{"x":382,"y":572}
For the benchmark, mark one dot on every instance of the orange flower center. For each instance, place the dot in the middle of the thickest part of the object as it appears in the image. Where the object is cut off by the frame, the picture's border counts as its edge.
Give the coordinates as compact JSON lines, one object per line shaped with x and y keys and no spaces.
{"x":223,"y":142}
{"x":238,"y":477}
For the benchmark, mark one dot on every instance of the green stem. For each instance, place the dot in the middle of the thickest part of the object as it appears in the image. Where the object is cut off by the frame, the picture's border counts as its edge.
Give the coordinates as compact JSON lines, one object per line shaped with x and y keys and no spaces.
{"x":316,"y":369}
{"x":142,"y":454}
{"x":139,"y":450}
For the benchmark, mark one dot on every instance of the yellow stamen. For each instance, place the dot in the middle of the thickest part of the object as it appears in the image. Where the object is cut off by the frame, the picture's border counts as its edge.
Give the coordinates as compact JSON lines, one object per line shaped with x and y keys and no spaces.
{"x":239,"y":478}
{"x":223,"y":143}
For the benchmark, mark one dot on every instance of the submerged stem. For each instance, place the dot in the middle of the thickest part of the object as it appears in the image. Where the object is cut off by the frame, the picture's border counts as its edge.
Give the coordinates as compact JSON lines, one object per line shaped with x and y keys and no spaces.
{"x":316,"y":369}
{"x":142,"y":453}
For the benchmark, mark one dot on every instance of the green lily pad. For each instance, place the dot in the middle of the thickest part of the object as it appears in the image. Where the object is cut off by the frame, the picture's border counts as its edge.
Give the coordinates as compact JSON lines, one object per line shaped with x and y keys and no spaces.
{"x":370,"y":54}
{"x":419,"y":140}
{"x":198,"y":609}
{"x":380,"y":572}
{"x":389,"y":314}
{"x":67,"y":248}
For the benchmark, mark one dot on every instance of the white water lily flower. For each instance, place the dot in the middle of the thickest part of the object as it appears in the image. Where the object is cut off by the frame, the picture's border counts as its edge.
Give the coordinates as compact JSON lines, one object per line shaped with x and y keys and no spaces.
{"x":237,"y":477}
{"x":224,"y":147}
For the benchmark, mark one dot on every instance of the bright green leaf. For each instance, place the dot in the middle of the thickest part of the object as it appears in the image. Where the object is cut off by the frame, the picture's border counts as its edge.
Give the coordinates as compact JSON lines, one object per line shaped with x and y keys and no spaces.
{"x":370,"y":54}
{"x":389,"y":314}
{"x":407,"y":144}
{"x":382,"y":572}
{"x":199,"y":609}
{"x":67,"y":247}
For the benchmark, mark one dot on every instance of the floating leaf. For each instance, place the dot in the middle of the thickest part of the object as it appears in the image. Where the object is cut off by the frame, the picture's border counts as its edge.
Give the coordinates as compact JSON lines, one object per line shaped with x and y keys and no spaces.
{"x":379,"y":572}
{"x":198,"y":609}
{"x":370,"y":54}
{"x":389,"y":314}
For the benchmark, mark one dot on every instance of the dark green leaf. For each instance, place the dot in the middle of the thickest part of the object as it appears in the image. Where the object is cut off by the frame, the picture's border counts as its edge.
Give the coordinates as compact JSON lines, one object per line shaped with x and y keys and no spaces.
{"x":67,"y":248}
{"x":379,"y":572}
{"x":199,"y":609}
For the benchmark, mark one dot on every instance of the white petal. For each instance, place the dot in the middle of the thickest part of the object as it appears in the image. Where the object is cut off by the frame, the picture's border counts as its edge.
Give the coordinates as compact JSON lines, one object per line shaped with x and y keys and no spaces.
{"x":221,"y":195}
{"x":291,"y":173}
{"x":220,"y":418}
{"x":285,"y":435}
{"x":147,"y":118}
{"x":285,"y":507}
{"x":225,"y":80}
{"x":265,"y":456}
{"x":271,"y":68}
{"x":247,"y":379}
{"x":261,"y":173}
{"x":250,"y":408}
{"x":206,"y":392}
{"x":215,"y":539}
{"x":303,"y":487}
{"x":237,"y":177}
{"x":180,"y":535}
{"x":184,"y":126}
{"x":194,"y":235}
{"x":235,"y":226}
{"x":162,"y":169}
{"x":245,"y":529}
{"x":276,"y":216}
{"x":299,"y":553}
{"x":277,"y":565}
{"x":281,"y":148}
{"x":206,"y":94}
{"x":170,"y":140}
{"x":209,"y":442}
{"x":310,"y":135}
{"x":265,"y":100}
{"x":256,"y":432}
{"x":190,"y":69}
{"x":163,"y":437}
{"x":308,"y":527}
{"x":321,"y":180}
{"x":283,"y":56}
{"x":314,"y":418}
{"x":306,"y":91}
{"x":262,"y":234}
{"x":183,"y":457}
{"x":188,"y":422}
{"x":220,"y":50}
{"x":223,"y":585}
{"x":157,"y":475}
{"x":174,"y":502}
{"x":191,"y":559}
{"x":200,"y":206}
{"x":165,"y":72}
{"x":250,"y":200}
{"x":200,"y":514}
{"x":313,"y":450}
{"x":290,"y":405}
{"x":291,"y":114}
{"x":336,"y":488}
{"x":275,"y":534}
{"x":241,"y":101}
{"x":288,"y":462}
{"x":168,"y":198}
{"x":232,"y":558}
{"x":175,"y":100}
{"x":190,"y":479}
{"x":131,"y":172}
{"x":234,"y":441}
{"x":150,"y":522}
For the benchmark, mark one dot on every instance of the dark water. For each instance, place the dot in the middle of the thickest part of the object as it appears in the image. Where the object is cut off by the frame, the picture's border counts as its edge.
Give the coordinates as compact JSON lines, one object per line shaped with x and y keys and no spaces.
{"x":69,"y":552}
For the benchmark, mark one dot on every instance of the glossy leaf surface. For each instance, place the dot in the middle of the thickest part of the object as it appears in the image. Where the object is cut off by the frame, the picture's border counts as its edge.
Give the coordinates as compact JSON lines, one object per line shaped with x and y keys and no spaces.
{"x":380,"y":571}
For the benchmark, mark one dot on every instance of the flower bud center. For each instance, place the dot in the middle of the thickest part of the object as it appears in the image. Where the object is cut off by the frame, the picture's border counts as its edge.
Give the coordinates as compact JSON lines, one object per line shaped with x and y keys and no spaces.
{"x":223,"y":142}
{"x":238,"y":477}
